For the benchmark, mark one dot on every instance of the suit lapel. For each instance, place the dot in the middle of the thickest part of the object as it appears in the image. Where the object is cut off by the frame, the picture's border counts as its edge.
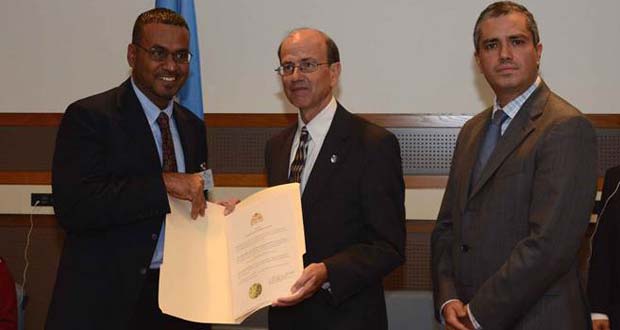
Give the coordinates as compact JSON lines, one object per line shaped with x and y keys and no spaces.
{"x":186,"y":133}
{"x":333,"y":145}
{"x":133,"y":121}
{"x":479,"y":128}
{"x":280,"y":155}
{"x":520,"y":127}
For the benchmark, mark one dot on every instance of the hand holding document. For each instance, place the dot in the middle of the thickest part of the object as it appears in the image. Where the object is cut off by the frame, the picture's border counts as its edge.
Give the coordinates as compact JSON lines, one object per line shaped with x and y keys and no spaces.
{"x":311,"y":280}
{"x":221,"y":269}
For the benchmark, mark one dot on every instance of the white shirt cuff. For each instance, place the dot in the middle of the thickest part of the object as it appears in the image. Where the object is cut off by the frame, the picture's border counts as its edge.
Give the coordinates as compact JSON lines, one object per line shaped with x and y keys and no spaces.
{"x":599,"y":316}
{"x":473,"y":319}
{"x":441,"y":310}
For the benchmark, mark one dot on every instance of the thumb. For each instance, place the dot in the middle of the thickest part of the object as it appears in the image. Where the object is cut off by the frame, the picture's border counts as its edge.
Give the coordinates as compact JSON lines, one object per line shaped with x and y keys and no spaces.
{"x":462,"y":311}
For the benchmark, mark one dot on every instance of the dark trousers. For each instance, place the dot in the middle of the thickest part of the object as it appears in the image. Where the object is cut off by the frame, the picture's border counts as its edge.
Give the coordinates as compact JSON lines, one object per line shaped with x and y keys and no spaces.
{"x":147,"y":314}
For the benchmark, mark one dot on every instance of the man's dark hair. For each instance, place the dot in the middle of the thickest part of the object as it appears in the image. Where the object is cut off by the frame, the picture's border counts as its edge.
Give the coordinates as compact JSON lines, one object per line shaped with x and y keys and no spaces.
{"x":333,"y":54}
{"x":156,"y":15}
{"x":502,"y":8}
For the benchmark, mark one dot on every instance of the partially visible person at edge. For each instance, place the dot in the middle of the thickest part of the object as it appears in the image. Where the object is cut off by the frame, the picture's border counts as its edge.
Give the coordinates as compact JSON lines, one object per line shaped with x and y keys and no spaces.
{"x":8,"y":299}
{"x":604,"y":274}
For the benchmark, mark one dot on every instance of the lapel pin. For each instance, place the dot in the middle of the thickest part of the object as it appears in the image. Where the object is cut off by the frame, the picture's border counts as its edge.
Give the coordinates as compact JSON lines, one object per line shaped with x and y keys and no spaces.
{"x":334,"y":159}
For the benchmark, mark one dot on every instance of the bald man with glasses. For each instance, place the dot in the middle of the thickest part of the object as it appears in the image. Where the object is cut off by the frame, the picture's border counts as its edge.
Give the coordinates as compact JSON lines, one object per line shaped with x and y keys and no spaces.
{"x":352,"y":195}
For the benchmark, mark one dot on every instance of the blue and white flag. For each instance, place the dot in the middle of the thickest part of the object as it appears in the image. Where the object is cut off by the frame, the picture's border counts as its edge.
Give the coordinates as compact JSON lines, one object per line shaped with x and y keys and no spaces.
{"x":190,"y":96}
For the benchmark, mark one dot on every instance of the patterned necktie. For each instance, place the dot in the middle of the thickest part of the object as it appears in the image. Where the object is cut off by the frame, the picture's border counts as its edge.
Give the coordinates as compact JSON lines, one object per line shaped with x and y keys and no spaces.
{"x":167,"y":146}
{"x":494,"y":132}
{"x":300,"y":157}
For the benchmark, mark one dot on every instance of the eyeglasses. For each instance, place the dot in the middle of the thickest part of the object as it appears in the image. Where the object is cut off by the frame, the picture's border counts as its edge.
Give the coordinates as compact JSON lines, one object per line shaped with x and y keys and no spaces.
{"x":160,"y":54}
{"x":287,"y":69}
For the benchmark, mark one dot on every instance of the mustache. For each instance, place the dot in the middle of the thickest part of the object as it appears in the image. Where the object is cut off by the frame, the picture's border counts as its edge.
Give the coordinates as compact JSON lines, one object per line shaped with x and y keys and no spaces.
{"x":506,"y":64}
{"x":166,"y":72}
{"x":299,"y":84}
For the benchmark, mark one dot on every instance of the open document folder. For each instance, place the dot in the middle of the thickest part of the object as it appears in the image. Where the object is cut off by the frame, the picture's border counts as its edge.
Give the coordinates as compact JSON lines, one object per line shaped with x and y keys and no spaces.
{"x":221,"y":269}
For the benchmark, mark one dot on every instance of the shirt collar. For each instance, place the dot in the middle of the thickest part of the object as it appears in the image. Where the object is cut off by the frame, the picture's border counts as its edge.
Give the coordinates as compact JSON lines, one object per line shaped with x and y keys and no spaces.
{"x":150,"y":109}
{"x":319,"y":125}
{"x":515,"y":105}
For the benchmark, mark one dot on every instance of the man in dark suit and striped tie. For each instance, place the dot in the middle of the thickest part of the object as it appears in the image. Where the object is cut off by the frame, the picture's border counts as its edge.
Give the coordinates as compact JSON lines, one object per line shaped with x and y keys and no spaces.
{"x":118,"y":156}
{"x":352,"y":196}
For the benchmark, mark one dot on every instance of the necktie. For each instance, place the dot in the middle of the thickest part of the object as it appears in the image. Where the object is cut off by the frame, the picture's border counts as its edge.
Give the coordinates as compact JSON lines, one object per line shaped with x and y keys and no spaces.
{"x":494,"y":132}
{"x":169,"y":163}
{"x":300,"y":157}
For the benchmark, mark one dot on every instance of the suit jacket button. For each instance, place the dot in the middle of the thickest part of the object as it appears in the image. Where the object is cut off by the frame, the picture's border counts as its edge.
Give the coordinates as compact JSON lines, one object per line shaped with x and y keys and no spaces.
{"x":465,"y":247}
{"x":142,"y":271}
{"x":154,"y":236}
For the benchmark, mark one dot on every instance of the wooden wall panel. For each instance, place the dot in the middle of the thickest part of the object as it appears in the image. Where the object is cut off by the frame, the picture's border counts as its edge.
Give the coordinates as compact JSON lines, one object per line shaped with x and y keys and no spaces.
{"x":28,"y":163}
{"x":44,"y":252}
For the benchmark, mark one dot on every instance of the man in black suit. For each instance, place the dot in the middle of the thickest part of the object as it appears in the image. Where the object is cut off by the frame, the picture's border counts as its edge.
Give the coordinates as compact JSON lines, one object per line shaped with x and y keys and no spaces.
{"x":352,"y":195}
{"x":604,"y":275}
{"x":118,"y":154}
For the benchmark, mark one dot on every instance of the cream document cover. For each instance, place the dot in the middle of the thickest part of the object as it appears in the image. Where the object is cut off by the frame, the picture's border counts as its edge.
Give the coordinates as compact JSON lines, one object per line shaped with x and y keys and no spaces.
{"x":221,"y":269}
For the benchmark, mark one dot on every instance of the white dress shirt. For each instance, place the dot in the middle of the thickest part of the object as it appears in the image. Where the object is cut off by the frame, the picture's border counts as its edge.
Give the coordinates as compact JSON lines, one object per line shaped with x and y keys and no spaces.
{"x":317,"y":130}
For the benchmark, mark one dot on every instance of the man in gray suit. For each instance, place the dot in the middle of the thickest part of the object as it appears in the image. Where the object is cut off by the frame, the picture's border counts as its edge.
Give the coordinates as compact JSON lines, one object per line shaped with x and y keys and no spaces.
{"x":519,"y":194}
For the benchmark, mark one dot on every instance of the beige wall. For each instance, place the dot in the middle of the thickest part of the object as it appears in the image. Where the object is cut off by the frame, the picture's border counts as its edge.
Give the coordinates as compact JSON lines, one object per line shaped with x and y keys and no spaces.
{"x":398,"y":56}
{"x":421,"y":204}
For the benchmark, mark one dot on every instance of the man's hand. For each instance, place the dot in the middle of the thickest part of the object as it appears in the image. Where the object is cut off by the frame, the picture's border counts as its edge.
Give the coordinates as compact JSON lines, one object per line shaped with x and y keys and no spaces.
{"x":310,"y":281}
{"x":600,"y":325}
{"x":188,"y":187}
{"x":456,"y":316}
{"x":229,"y":205}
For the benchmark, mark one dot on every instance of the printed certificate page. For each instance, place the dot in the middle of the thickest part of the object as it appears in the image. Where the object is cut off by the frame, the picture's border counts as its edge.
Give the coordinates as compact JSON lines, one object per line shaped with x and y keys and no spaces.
{"x":266,"y":246}
{"x":221,"y":269}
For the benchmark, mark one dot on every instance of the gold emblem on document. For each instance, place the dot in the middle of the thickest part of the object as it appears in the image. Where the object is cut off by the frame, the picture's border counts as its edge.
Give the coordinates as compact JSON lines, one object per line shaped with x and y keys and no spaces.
{"x":255,"y":290}
{"x":256,"y":219}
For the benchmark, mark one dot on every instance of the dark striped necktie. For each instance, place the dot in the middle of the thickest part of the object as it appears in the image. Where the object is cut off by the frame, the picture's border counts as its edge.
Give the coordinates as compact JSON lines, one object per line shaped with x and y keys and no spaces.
{"x":297,"y":166}
{"x":169,"y":158}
